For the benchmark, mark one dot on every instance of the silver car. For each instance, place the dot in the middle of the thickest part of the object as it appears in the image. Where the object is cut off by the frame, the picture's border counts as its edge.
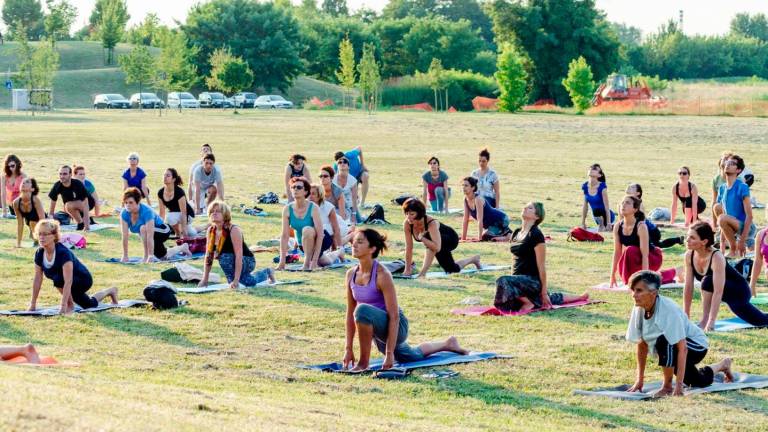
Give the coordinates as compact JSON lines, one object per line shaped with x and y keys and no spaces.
{"x":183,"y":100}
{"x":272,"y":101}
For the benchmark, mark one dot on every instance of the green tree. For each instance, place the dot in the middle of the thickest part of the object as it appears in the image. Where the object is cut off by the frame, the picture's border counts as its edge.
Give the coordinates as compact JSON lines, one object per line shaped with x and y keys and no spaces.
{"x":579,"y":84}
{"x":370,"y":78}
{"x":435,"y":75}
{"x":512,"y":78}
{"x":550,"y":32}
{"x":176,"y":70}
{"x":335,"y":7}
{"x":453,"y":10}
{"x":36,"y":68}
{"x":264,"y":36}
{"x":346,"y":72}
{"x":456,"y":44}
{"x":149,"y":32}
{"x":744,"y":24}
{"x":627,"y":35}
{"x":111,"y":26}
{"x":61,"y":16}
{"x":24,"y":14}
{"x":320,"y":38}
{"x":229,"y":74}
{"x":139,"y":67}
{"x":98,"y":11}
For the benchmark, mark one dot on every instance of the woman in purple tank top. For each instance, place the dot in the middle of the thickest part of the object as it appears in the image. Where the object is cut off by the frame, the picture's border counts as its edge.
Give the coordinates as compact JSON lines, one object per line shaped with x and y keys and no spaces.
{"x":373,"y":313}
{"x":761,"y":258}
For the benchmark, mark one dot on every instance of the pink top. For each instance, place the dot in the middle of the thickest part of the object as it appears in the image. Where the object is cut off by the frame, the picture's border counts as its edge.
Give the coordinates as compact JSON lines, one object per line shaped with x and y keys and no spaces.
{"x":764,"y":248}
{"x":13,"y":189}
{"x":368,"y":293}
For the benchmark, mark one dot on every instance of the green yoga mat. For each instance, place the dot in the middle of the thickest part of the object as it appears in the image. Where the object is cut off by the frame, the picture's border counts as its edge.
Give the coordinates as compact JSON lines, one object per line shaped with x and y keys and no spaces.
{"x":761,"y":299}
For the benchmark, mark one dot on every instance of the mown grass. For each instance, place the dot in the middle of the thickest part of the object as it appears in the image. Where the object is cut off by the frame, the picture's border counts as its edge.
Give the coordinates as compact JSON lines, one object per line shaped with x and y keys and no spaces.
{"x":228,"y":360}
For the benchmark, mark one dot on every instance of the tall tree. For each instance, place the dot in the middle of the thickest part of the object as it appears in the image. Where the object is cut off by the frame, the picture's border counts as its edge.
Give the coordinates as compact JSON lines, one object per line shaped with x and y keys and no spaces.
{"x":320,"y":38}
{"x":111,"y":26}
{"x":456,"y":44}
{"x":148,"y":32}
{"x":61,"y":16}
{"x":139,"y":67}
{"x":229,"y":74}
{"x":436,"y":77}
{"x":512,"y":78}
{"x":335,"y":7}
{"x":346,"y":72}
{"x":754,"y":26}
{"x":98,"y":10}
{"x":26,"y":14}
{"x":370,"y":77}
{"x":551,"y":32}
{"x":264,"y":36}
{"x":36,"y":69}
{"x":579,"y":84}
{"x":176,"y":70}
{"x":453,"y":10}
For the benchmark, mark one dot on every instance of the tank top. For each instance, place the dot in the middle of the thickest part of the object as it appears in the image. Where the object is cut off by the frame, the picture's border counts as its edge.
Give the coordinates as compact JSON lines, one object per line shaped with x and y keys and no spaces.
{"x":629,"y":240}
{"x":295,"y":173}
{"x":491,"y":216}
{"x":228,"y":247}
{"x":764,"y":249}
{"x":687,"y":201}
{"x":13,"y":188}
{"x":299,"y":224}
{"x":368,"y":293}
{"x":29,"y":216}
{"x":731,"y":275}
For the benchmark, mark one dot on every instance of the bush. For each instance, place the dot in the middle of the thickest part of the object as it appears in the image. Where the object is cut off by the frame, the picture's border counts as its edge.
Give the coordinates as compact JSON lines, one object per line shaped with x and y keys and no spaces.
{"x":462,"y":88}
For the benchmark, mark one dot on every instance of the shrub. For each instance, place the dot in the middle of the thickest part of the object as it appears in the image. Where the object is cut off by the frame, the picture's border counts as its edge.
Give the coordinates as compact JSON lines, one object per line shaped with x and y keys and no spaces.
{"x":462,"y":87}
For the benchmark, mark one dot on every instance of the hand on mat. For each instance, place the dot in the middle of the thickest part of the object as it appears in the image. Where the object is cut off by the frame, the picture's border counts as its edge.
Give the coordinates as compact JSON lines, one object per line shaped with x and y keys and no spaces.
{"x":545,"y":303}
{"x":281,"y":267}
{"x":709,"y":327}
{"x":349,"y":360}
{"x":389,"y":361}
{"x":202,"y":284}
{"x":636,"y":387}
{"x":678,"y":389}
{"x":234,"y":285}
{"x":612,"y":283}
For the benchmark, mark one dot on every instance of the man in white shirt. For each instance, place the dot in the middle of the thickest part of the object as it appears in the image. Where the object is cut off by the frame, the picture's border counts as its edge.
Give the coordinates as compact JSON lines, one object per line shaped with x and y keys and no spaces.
{"x":209,"y":183}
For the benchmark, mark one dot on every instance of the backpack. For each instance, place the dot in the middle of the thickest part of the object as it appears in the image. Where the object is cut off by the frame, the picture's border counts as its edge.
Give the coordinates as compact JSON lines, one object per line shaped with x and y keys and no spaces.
{"x":377,"y":216}
{"x":62,"y":217}
{"x":161,"y":294}
{"x":268,"y":198}
{"x":580,"y":234}
{"x":744,"y":267}
{"x":402,"y":199}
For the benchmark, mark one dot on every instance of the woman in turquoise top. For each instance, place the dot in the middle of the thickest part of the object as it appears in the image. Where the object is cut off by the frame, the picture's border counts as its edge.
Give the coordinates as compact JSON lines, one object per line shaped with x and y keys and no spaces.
{"x":304,"y":217}
{"x":140,"y":219}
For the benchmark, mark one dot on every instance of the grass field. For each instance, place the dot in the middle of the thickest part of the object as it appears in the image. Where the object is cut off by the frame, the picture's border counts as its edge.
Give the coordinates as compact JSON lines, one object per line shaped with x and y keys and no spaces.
{"x":228,"y":360}
{"x":82,"y":75}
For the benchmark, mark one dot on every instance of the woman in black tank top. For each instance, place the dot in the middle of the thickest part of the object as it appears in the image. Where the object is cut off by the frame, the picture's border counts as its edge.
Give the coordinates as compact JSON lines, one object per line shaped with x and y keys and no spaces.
{"x":174,"y":206}
{"x":719,"y":281}
{"x":690,"y":212}
{"x":439,"y":239}
{"x":297,"y":167}
{"x":28,"y":209}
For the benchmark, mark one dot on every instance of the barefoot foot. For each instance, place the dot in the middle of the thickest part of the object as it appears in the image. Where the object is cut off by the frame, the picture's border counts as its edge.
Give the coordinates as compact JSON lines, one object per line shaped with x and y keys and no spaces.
{"x":452,"y":344}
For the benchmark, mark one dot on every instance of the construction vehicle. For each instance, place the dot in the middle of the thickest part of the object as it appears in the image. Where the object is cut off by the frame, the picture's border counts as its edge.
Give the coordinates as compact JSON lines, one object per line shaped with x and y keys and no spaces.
{"x":619,"y":87}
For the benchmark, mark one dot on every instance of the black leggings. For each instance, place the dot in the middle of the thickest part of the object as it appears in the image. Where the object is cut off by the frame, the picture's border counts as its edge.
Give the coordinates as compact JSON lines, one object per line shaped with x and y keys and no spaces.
{"x":449,"y":241}
{"x":693,"y":377}
{"x":160,"y":237}
{"x":736,"y":294}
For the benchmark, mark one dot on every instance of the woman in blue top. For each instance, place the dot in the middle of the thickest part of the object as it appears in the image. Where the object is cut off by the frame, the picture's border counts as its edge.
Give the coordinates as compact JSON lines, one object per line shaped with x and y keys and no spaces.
{"x":140,"y":219}
{"x":136,"y":177}
{"x":54,"y":261}
{"x":492,"y":224}
{"x":435,"y":183}
{"x":596,"y":198}
{"x":304,"y":217}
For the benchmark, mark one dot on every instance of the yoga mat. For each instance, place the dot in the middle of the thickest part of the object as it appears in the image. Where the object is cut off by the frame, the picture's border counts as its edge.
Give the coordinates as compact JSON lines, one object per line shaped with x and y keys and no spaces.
{"x":93,"y":227}
{"x":298,"y":267}
{"x":492,"y":310}
{"x":438,"y":359}
{"x":761,"y":299}
{"x":139,"y":260}
{"x":451,"y":211}
{"x":44,"y":362}
{"x":225,"y":286}
{"x":470,"y":240}
{"x":740,"y":381}
{"x":677,"y":225}
{"x":732,"y":324}
{"x":54,"y":310}
{"x":605,"y":286}
{"x":441,"y":275}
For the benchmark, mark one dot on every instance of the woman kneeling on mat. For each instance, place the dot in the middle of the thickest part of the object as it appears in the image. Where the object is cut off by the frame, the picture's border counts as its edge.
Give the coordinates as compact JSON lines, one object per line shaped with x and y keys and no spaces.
{"x":632,"y":249}
{"x":435,"y":182}
{"x":335,"y":228}
{"x":28,"y":208}
{"x":373,"y":313}
{"x":685,"y":186}
{"x":526,"y":289}
{"x":139,"y":218}
{"x":439,"y":239}
{"x":654,"y":233}
{"x":73,"y":280}
{"x":304,"y":217}
{"x":492,"y":224}
{"x":596,"y":198}
{"x":225,"y":243}
{"x":659,"y":323}
{"x":719,"y":281}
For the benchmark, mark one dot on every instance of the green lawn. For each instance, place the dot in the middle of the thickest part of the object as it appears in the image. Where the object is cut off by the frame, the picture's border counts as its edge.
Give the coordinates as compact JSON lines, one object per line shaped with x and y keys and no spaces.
{"x":228,"y":360}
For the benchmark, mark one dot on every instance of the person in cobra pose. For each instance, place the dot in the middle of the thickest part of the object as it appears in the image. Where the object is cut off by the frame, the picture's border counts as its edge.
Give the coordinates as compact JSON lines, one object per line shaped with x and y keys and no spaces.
{"x":595,"y":193}
{"x":492,"y":224}
{"x":28,"y":209}
{"x":435,"y":185}
{"x":439,"y":239}
{"x":297,"y":167}
{"x":685,"y":186}
{"x":654,"y":233}
{"x":174,"y":209}
{"x":139,"y":218}
{"x":303,"y":216}
{"x":719,"y":281}
{"x":373,"y":313}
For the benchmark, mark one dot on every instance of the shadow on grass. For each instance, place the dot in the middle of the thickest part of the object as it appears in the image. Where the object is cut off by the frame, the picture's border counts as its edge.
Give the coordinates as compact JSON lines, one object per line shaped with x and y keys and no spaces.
{"x":135,"y":327}
{"x":744,"y":400}
{"x":497,"y":395}
{"x":15,"y":334}
{"x":298,"y":298}
{"x":47,"y":117}
{"x":583,"y":317}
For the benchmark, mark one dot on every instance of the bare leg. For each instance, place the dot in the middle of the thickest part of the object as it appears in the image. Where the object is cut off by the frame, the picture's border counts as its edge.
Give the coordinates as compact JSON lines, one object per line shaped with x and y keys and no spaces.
{"x":364,"y":180}
{"x":27,"y":351}
{"x":450,"y":344}
{"x":365,"y":336}
{"x":666,"y":388}
{"x":467,"y":261}
{"x":183,"y":249}
{"x":570,"y":298}
{"x":330,"y":257}
{"x":308,"y":237}
{"x":429,"y":257}
{"x":725,"y":367}
{"x":728,"y":227}
{"x":110,"y":292}
{"x":527,"y":304}
{"x":74,"y":211}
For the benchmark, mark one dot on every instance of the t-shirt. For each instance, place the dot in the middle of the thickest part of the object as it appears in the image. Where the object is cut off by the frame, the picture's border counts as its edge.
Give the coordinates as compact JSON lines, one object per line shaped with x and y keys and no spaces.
{"x":347,"y":191}
{"x":146,"y":214}
{"x":355,"y":166}
{"x":325,"y":213}
{"x":733,"y":199}
{"x":134,"y":181}
{"x":485,"y":182}
{"x":433,"y":184}
{"x":173,"y":204}
{"x":207,"y":179}
{"x":718,"y":180}
{"x":74,"y":192}
{"x":525,"y":253}
{"x":89,"y":187}
{"x":668,"y":320}
{"x":81,"y":278}
{"x":595,"y":201}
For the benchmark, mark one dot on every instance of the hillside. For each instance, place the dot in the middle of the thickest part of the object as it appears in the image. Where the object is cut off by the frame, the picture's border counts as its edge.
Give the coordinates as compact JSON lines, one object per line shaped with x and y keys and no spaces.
{"x":83,"y":74}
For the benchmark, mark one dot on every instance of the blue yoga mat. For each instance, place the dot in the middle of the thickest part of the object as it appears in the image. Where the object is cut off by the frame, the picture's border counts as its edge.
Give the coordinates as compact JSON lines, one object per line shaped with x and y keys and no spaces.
{"x":438,"y":359}
{"x":732,"y":324}
{"x":139,"y":260}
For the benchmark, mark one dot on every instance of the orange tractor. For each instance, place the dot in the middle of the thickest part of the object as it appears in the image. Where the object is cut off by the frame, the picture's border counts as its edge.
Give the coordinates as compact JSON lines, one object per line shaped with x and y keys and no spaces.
{"x":620,"y":88}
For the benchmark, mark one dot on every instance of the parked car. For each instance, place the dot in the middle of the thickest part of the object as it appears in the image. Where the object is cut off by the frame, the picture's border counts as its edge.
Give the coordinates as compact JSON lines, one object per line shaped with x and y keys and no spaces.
{"x":213,"y":100}
{"x":272,"y":101}
{"x":148,"y":100}
{"x":183,"y":100}
{"x":111,"y":101}
{"x":244,"y":99}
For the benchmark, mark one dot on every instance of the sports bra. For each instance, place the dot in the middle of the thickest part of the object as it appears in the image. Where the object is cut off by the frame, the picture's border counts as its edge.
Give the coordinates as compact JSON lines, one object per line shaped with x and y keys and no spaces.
{"x":31,"y":215}
{"x":730,"y":273}
{"x":632,"y":239}
{"x":687,"y":201}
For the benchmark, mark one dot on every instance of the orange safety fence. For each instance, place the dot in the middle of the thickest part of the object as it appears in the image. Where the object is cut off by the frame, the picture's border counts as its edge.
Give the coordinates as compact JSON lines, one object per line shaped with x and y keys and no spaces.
{"x":314,"y":102}
{"x":480,"y":103}
{"x":415,"y":107}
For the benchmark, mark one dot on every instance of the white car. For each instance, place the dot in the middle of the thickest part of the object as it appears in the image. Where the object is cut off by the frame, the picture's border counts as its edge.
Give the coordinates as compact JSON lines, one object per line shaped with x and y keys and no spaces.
{"x":272,"y":101}
{"x":148,"y":100}
{"x":183,"y":100}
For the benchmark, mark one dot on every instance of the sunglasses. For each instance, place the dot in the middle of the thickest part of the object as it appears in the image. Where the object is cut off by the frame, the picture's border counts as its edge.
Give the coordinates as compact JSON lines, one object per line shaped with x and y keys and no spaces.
{"x":682,"y":173}
{"x":297,"y":187}
{"x":325,"y":176}
{"x":12,"y":165}
{"x":133,"y":158}
{"x":342,"y":162}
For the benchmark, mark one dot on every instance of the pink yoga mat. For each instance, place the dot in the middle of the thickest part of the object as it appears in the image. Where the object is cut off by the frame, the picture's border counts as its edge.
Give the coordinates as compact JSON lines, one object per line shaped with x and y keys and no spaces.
{"x":491,"y":310}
